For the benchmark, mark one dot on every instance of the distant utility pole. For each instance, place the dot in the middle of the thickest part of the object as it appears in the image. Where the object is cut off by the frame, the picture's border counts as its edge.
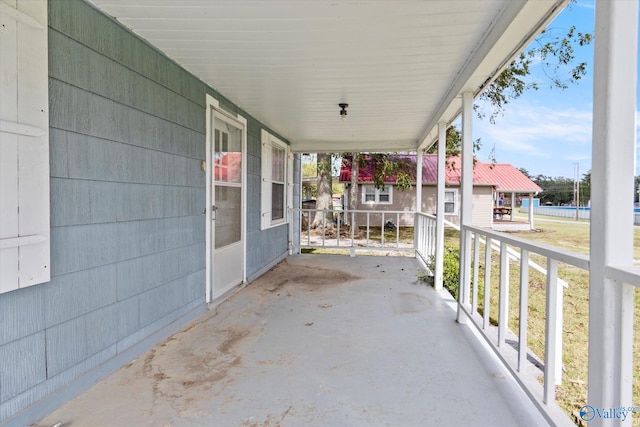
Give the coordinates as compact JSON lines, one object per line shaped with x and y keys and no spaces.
{"x":576,"y":190}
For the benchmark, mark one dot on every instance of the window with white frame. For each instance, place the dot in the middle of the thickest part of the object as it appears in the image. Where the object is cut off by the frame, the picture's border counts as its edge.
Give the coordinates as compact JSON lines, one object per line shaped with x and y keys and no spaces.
{"x":276,"y":168}
{"x":373,"y":195}
{"x":451,"y":202}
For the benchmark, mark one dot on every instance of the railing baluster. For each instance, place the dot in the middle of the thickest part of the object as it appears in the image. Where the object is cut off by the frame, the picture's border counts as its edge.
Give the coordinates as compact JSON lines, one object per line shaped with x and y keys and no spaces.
{"x":476,"y":262}
{"x":551,"y":332}
{"x":524,"y":309}
{"x":487,"y":283}
{"x":368,"y":217}
{"x":324,"y":231}
{"x":338,"y":230}
{"x":503,"y":299}
{"x":397,"y":230}
{"x":353,"y":236}
{"x":309,"y":228}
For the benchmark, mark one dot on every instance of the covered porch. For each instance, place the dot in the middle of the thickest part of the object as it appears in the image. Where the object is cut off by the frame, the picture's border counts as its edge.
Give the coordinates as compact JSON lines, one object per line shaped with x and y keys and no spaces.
{"x":319,"y":340}
{"x":126,"y":145}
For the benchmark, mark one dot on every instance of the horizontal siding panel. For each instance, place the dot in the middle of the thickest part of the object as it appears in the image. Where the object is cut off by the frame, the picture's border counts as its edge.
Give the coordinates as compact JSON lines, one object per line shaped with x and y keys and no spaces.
{"x":106,"y":119}
{"x":22,"y":313}
{"x":83,"y":247}
{"x":66,"y":345}
{"x":105,"y":201}
{"x":58,"y":151}
{"x":93,"y":158}
{"x":76,"y":294}
{"x":22,"y":365}
{"x":142,"y":274}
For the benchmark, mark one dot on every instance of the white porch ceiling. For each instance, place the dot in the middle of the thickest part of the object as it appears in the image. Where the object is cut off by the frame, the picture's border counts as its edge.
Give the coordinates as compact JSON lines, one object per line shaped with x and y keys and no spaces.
{"x":400,"y":65}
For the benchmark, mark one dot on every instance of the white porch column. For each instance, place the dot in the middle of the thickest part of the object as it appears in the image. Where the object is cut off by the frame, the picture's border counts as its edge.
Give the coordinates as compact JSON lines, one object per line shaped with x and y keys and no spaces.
{"x":419,"y":180}
{"x":442,"y":157}
{"x":466,"y":186}
{"x":612,"y":180}
{"x":513,"y":205}
{"x":531,"y":226}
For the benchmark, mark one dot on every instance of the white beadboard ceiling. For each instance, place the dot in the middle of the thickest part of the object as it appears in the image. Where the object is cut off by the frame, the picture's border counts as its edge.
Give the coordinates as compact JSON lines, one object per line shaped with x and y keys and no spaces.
{"x":400,"y":65}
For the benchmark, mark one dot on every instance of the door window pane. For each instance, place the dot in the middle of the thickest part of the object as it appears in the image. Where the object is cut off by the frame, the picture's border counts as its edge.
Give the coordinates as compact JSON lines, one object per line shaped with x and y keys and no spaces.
{"x":228,"y":153}
{"x":228,"y":215}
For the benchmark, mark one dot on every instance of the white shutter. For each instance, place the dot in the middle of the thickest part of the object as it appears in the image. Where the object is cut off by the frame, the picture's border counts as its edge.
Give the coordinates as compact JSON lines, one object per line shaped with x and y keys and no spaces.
{"x":265,"y":195}
{"x":24,"y":144}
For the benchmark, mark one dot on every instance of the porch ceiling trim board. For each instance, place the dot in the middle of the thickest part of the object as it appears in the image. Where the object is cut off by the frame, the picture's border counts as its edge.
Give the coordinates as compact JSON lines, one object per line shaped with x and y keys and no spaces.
{"x":399,"y":65}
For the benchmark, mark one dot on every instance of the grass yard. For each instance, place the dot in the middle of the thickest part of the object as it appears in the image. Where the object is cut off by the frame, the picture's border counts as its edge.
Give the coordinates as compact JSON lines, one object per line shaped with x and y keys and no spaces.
{"x":572,"y":394}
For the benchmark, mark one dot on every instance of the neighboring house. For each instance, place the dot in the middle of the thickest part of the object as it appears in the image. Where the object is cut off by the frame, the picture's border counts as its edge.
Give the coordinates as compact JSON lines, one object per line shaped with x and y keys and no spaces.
{"x":490,"y":180}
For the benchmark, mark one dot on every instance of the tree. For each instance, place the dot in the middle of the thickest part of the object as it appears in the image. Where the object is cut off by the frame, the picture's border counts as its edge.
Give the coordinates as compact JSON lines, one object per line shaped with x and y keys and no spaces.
{"x":353,"y":189}
{"x":585,"y":188}
{"x":557,"y":191}
{"x":452,"y":144}
{"x":324,"y":199}
{"x":525,"y":172}
{"x":554,"y":53}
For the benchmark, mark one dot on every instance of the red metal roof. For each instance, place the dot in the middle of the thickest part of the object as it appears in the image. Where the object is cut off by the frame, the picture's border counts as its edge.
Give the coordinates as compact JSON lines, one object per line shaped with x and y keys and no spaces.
{"x":503,"y":176}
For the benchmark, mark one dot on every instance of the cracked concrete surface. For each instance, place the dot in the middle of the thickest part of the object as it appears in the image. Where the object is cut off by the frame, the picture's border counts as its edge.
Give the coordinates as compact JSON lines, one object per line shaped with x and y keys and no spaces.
{"x":317,"y":341}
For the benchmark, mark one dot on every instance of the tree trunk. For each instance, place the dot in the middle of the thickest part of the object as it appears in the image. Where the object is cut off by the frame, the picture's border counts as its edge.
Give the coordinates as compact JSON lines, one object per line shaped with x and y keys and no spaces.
{"x":324,"y":192}
{"x":353,"y":191}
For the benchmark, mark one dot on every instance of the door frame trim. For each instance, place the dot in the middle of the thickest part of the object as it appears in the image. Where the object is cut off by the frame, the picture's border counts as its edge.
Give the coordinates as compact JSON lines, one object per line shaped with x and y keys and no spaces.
{"x":212,"y":107}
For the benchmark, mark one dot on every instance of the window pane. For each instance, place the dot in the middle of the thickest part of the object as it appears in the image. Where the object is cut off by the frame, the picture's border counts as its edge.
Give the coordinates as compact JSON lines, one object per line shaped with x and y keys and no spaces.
{"x":449,"y":207}
{"x":277,"y":164}
{"x":277,"y":201}
{"x":384,"y":195}
{"x":369,"y":193}
{"x":449,"y":196}
{"x":228,"y":215}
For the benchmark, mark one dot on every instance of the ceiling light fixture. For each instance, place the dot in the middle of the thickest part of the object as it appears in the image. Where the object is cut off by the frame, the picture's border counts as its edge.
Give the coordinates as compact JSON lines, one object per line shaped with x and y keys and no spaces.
{"x":343,"y":110}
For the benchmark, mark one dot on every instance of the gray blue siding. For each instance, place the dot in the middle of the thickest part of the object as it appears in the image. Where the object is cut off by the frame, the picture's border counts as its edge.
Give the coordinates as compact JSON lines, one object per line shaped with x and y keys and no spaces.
{"x":127,"y":139}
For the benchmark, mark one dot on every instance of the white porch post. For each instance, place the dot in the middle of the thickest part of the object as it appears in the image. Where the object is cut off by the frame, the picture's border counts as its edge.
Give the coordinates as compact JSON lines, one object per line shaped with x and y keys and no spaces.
{"x":613,"y":154}
{"x":531,"y":226}
{"x":419,"y":180}
{"x":442,"y":156}
{"x":466,"y":185}
{"x":513,"y":204}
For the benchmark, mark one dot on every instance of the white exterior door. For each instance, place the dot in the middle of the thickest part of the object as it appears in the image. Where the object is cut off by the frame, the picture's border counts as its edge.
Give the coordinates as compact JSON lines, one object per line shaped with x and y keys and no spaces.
{"x":227,"y":199}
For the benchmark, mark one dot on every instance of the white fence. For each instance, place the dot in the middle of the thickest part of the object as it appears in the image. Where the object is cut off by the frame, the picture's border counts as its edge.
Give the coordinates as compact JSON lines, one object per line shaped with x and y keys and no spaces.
{"x":559,"y":212}
{"x":335,"y":231}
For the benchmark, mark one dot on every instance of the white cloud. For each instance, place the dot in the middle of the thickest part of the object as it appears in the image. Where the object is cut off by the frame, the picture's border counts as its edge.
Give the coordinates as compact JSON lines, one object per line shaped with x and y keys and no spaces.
{"x":533,"y":129}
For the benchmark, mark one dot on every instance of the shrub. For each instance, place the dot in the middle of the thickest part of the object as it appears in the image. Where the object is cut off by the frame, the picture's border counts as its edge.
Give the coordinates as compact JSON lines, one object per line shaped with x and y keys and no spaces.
{"x":451,"y":271}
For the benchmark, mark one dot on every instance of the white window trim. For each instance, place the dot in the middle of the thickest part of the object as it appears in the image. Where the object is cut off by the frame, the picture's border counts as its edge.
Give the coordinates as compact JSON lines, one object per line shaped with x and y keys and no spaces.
{"x":377,"y":201}
{"x":268,"y":141}
{"x":455,"y":200}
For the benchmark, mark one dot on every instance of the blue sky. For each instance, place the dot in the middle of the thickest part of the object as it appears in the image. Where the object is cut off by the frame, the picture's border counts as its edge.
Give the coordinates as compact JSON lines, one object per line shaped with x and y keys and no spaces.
{"x":547,"y":131}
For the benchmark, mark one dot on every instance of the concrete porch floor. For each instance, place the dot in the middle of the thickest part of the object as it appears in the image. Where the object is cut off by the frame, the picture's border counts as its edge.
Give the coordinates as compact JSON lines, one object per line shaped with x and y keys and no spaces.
{"x":320,"y":340}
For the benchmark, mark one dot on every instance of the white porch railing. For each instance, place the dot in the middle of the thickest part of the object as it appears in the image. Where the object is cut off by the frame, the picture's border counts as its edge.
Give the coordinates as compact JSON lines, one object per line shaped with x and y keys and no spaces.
{"x":496,"y":336}
{"x":425,"y":236}
{"x":335,"y":230}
